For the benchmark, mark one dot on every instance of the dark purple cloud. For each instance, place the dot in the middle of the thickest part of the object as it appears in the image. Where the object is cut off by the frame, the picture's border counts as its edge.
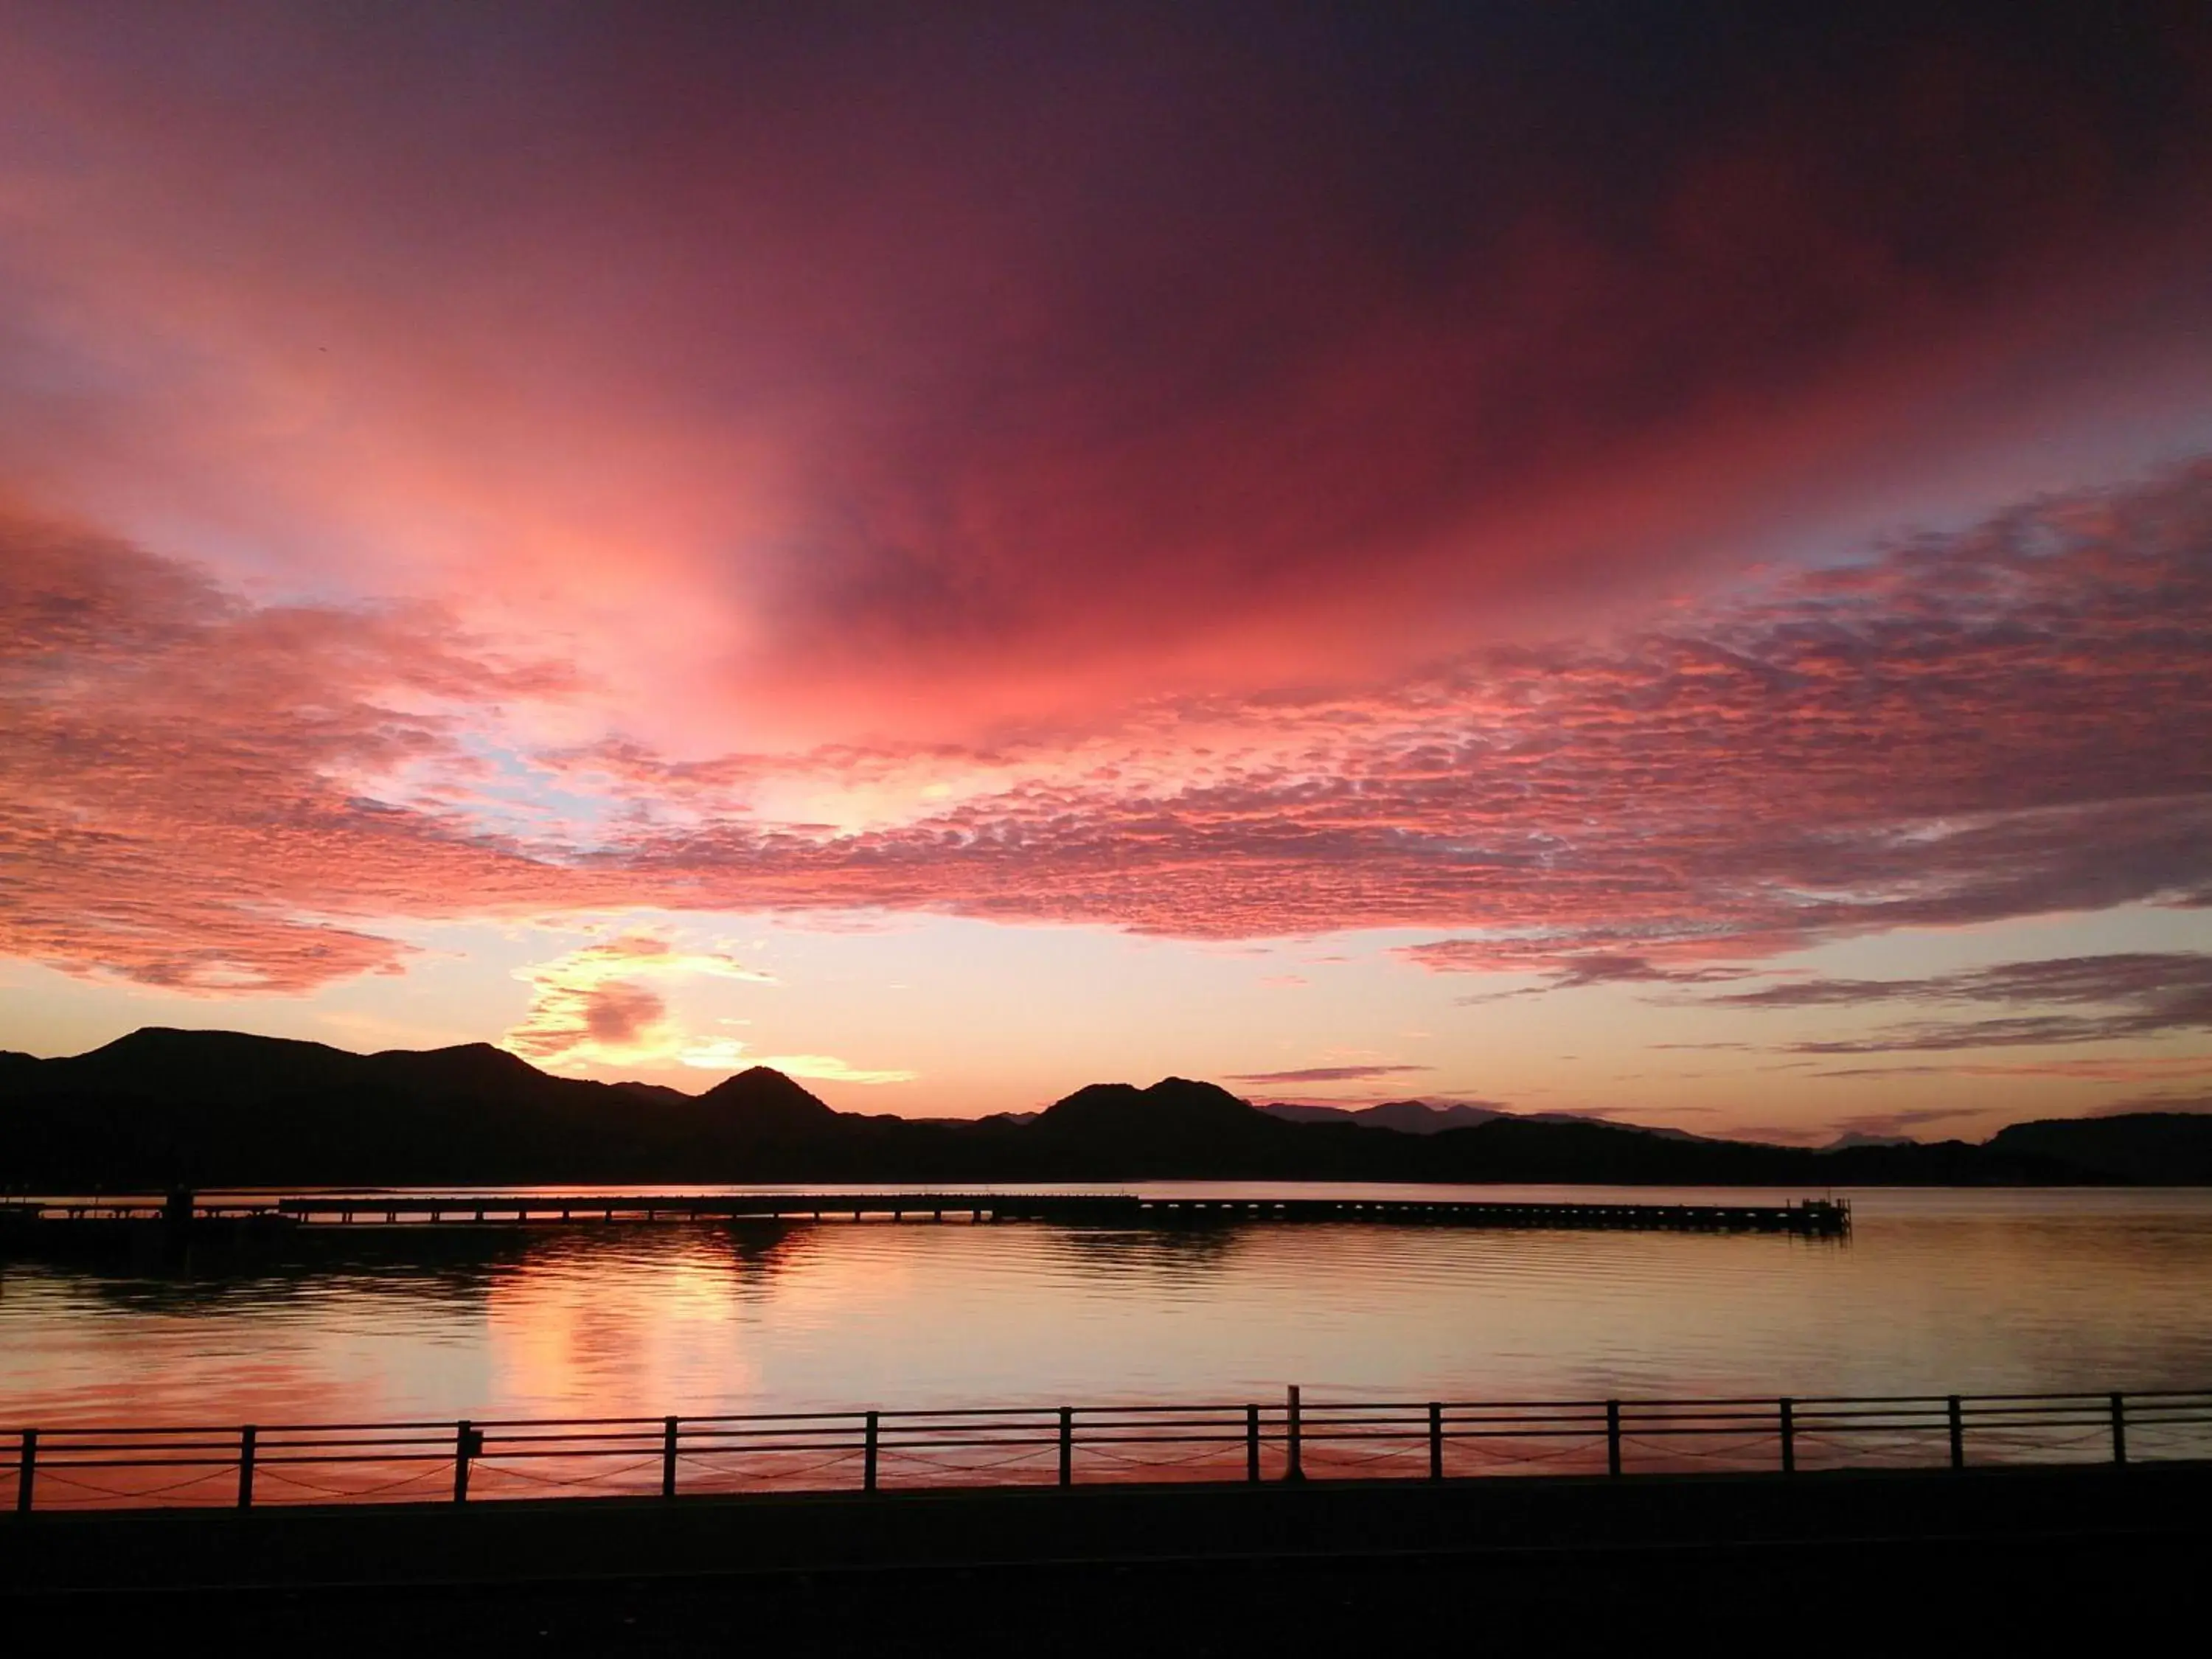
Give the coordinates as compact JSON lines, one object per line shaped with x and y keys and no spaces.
{"x":936,"y":371}
{"x":1326,"y":1073}
{"x":2136,"y":994}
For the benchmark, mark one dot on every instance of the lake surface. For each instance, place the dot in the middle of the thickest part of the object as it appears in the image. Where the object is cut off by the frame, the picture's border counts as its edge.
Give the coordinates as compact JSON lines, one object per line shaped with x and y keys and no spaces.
{"x":1935,"y":1291}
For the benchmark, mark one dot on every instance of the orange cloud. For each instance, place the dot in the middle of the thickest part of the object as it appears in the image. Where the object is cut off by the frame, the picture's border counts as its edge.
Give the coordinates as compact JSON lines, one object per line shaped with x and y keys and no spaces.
{"x":595,"y":1006}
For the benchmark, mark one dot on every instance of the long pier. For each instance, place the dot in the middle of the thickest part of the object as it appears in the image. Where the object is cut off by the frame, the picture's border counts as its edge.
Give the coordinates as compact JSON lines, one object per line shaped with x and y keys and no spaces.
{"x":1817,"y":1218}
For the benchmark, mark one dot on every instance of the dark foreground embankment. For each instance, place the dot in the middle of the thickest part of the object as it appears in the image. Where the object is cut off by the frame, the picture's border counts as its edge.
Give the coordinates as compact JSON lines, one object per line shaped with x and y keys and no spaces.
{"x":1871,"y":1560}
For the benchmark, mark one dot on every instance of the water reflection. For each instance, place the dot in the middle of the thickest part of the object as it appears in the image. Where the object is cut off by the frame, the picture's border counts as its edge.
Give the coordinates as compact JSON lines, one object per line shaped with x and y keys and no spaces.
{"x":1972,"y":1291}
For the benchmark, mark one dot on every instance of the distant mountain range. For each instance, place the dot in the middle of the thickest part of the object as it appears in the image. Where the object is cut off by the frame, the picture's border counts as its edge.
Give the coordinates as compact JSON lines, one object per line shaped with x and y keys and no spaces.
{"x":1408,"y":1117}
{"x":1420,"y":1117}
{"x":213,"y":1109}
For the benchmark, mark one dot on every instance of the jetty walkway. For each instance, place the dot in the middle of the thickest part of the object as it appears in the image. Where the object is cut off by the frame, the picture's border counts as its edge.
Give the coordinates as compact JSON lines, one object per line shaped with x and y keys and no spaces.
{"x":1819,"y":1217}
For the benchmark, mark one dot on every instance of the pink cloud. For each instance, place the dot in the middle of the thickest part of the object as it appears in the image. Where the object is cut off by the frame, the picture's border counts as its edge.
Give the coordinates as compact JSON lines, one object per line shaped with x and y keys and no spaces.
{"x":189,"y":779}
{"x":207,"y":793}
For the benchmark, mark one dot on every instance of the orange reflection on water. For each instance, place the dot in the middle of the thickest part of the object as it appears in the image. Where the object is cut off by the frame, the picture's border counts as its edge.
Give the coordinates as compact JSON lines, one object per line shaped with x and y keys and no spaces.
{"x":1935,"y":1292}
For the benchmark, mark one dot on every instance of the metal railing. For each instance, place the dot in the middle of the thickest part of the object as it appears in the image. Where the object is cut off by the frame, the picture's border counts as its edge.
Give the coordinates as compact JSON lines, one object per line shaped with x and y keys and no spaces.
{"x":1293,"y":1439}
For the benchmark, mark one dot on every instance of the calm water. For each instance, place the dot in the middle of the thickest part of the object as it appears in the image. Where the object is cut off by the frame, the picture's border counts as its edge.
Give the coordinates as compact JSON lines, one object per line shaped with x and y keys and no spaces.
{"x":1973,"y":1291}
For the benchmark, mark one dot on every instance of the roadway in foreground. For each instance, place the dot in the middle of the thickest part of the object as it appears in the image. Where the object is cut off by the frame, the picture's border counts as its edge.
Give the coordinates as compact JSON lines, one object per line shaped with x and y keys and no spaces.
{"x":1865,"y":1561}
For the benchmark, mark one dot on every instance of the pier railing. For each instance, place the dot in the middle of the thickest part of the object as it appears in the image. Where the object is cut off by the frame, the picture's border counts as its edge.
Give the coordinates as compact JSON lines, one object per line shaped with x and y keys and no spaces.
{"x":79,"y":1467}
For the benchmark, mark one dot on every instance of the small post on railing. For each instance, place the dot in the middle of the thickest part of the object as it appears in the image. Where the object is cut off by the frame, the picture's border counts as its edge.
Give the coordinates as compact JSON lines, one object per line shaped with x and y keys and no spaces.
{"x":1436,"y":1440}
{"x":1613,"y":1437}
{"x":1293,"y":1434}
{"x":27,"y":1470}
{"x":1958,"y":1418}
{"x":1251,"y":1443}
{"x":2120,"y":1431}
{"x":246,"y":1438}
{"x":868,"y":1457}
{"x":1789,"y":1436}
{"x":1067,"y":1445}
{"x":467,"y":1442}
{"x":668,"y":1457}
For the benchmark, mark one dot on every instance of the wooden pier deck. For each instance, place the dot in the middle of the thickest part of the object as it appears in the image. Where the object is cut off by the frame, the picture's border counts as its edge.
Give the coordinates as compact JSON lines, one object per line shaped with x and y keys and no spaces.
{"x":1819,"y":1217}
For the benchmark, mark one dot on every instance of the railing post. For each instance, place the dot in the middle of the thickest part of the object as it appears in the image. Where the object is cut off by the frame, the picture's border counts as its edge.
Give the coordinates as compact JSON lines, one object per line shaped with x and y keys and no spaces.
{"x":1067,"y":1445}
{"x":1251,"y":1443}
{"x":1789,"y":1436}
{"x":1613,"y":1437}
{"x":466,"y":1443}
{"x":868,"y":1457}
{"x":668,"y":1457}
{"x":27,"y":1471}
{"x":246,"y":1438}
{"x":1957,"y":1419}
{"x":2120,"y":1431}
{"x":1293,"y":1435}
{"x":1436,"y":1440}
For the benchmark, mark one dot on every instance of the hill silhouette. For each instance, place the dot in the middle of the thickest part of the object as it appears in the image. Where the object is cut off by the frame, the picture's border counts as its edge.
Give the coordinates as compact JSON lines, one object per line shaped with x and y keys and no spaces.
{"x":1411,"y":1117}
{"x":2154,"y":1149}
{"x":1176,"y":1126}
{"x":762,"y":1102}
{"x":223,"y":1109}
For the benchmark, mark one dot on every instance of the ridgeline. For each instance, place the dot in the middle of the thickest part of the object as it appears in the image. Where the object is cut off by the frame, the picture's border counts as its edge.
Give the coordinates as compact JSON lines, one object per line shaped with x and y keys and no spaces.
{"x":220,"y":1108}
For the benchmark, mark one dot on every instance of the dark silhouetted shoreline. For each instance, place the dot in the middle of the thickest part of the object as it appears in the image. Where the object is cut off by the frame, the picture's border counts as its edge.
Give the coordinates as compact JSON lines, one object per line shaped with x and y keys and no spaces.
{"x":214,"y":1108}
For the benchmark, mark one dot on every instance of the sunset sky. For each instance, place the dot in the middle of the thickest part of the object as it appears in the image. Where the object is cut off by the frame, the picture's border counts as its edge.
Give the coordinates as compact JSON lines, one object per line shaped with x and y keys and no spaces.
{"x":1647,"y":560}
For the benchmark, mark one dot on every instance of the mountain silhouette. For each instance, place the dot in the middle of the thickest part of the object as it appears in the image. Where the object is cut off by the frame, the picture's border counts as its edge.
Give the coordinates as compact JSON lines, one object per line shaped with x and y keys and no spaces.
{"x":1176,"y":1127}
{"x":163,"y":1105}
{"x":762,"y":1102}
{"x":1174,"y":1109}
{"x":228,"y":1066}
{"x":223,"y":1109}
{"x":1409,"y":1117}
{"x":2156,"y":1149}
